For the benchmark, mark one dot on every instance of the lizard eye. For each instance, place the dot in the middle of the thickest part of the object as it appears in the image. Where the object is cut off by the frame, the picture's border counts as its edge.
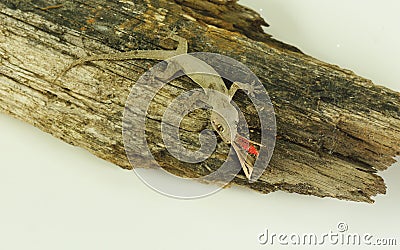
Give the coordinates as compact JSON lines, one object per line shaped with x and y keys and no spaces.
{"x":220,"y":128}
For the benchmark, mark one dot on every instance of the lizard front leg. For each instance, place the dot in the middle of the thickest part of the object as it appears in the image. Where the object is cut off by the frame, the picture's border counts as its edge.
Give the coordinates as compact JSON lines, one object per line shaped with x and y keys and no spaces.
{"x":243,"y":86}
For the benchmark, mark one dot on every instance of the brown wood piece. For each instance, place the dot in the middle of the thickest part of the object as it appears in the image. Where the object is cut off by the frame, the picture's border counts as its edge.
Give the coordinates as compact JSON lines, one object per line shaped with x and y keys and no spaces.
{"x":336,"y":130}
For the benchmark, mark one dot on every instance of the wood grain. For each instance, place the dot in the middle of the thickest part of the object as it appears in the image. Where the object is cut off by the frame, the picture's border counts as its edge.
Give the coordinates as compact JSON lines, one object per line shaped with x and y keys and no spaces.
{"x":336,"y":130}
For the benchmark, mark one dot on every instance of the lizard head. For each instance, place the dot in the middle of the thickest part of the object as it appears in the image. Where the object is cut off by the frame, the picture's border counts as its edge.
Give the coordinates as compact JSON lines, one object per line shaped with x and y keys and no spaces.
{"x":225,"y":127}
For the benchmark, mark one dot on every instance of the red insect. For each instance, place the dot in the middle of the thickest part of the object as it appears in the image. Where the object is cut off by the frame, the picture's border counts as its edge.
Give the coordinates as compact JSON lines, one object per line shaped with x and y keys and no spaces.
{"x":247,"y":145}
{"x":247,"y":154}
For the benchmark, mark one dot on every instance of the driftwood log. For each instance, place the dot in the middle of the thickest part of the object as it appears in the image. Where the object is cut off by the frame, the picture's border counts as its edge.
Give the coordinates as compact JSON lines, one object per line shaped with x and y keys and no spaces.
{"x":336,"y":130}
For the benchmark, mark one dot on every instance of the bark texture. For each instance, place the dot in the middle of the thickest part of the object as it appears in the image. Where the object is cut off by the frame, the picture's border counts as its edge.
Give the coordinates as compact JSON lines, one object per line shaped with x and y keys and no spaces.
{"x":336,"y":130}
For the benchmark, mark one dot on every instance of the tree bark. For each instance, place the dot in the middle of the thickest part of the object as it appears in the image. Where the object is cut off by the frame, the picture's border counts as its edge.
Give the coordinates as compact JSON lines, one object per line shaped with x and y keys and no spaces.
{"x":336,"y":130}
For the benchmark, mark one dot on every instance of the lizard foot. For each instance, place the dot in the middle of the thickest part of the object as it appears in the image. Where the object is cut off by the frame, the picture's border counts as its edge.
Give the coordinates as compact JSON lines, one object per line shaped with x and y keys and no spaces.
{"x":249,"y":88}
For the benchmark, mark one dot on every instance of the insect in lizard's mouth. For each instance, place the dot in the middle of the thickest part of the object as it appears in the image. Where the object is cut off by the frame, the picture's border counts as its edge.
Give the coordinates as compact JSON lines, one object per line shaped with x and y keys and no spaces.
{"x":246,"y":145}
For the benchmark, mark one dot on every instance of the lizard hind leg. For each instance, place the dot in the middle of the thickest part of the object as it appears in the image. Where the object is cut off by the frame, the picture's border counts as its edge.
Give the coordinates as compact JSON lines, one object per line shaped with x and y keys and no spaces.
{"x":182,"y":42}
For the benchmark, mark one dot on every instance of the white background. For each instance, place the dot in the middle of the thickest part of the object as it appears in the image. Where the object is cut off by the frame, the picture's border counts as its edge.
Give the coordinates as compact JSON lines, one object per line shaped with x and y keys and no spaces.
{"x":55,"y":196}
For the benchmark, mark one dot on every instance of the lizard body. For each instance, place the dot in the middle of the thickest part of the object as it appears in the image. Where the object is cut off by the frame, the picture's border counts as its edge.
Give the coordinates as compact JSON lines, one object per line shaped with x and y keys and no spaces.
{"x":224,"y":117}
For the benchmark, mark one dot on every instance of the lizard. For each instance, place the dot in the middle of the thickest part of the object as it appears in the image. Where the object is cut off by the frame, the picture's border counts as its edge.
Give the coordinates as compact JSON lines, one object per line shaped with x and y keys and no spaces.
{"x":225,"y":125}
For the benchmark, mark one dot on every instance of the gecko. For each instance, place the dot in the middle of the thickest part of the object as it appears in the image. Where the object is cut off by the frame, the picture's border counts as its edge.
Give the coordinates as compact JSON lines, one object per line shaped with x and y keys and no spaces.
{"x":225,"y":125}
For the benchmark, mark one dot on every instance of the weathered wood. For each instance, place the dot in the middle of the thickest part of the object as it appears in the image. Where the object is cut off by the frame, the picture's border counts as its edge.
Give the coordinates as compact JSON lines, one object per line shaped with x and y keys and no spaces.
{"x":335,"y":129}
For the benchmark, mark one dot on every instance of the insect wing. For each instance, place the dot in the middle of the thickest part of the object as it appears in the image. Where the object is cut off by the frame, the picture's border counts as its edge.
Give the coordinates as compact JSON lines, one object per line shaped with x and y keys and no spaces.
{"x":246,"y":160}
